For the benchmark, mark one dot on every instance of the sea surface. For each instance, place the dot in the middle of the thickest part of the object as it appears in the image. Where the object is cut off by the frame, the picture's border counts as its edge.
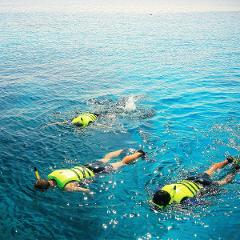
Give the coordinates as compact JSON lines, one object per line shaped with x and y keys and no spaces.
{"x":166,"y":83}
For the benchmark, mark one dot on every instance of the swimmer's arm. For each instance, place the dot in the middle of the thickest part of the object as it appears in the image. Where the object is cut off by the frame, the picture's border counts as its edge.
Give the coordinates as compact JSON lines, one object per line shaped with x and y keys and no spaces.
{"x":74,"y":187}
{"x":194,"y":202}
{"x":227,"y":179}
{"x":58,"y":123}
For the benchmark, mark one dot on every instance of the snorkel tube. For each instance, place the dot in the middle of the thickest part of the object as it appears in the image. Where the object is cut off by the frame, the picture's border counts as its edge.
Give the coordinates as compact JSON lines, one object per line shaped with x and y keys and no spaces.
{"x":172,"y":194}
{"x":36,"y":173}
{"x":41,"y":184}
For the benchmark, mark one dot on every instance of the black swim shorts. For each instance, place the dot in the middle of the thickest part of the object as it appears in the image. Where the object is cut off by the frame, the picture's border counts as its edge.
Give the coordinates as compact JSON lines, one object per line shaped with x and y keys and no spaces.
{"x":100,"y":167}
{"x":202,"y":178}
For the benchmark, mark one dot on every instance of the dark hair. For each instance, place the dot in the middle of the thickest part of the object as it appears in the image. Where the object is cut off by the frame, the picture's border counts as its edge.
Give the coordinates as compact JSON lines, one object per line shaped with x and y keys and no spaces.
{"x":42,"y":184}
{"x":161,"y":198}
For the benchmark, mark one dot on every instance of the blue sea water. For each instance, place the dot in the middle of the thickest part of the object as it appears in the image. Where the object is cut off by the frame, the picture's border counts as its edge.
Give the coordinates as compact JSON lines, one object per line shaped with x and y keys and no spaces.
{"x":168,"y":83}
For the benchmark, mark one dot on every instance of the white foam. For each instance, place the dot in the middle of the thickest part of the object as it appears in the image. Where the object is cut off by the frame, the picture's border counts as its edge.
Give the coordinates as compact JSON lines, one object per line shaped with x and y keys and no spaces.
{"x":130,"y":104}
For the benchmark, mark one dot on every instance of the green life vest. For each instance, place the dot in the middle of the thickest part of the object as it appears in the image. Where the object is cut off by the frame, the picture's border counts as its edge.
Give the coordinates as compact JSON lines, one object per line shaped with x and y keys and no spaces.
{"x":65,"y":176}
{"x":84,"y":119}
{"x":182,"y":190}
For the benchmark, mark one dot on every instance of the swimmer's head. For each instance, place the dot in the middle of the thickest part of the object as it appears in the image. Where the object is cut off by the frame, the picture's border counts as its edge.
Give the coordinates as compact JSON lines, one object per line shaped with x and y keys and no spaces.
{"x":161,"y":198}
{"x":42,"y":184}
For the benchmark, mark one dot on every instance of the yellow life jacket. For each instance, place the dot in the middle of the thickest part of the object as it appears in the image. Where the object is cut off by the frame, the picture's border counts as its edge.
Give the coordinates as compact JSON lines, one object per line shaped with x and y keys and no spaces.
{"x":84,"y":119}
{"x":182,"y":190}
{"x":65,"y":176}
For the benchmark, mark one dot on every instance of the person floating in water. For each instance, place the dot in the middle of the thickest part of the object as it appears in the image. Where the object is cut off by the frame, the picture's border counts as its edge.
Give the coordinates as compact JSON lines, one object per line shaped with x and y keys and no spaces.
{"x":81,"y":120}
{"x":71,"y":179}
{"x":184,"y":191}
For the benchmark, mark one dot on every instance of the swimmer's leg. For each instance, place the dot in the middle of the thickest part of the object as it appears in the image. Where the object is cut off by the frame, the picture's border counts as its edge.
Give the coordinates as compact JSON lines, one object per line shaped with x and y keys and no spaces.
{"x":111,"y":155}
{"x":227,"y":179}
{"x":127,"y":160}
{"x":216,"y":166}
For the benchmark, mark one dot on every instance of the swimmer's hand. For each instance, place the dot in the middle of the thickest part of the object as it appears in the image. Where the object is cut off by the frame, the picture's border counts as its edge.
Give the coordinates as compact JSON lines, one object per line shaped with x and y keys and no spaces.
{"x":74,"y":187}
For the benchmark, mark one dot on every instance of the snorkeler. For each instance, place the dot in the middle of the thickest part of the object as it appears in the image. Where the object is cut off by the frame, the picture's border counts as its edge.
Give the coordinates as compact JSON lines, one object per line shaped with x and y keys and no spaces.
{"x":81,"y":120}
{"x":186,"y":190}
{"x":71,"y":179}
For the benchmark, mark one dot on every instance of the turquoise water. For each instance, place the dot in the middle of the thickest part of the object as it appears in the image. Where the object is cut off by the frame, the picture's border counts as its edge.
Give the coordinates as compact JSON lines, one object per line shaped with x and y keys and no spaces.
{"x":169,"y":83}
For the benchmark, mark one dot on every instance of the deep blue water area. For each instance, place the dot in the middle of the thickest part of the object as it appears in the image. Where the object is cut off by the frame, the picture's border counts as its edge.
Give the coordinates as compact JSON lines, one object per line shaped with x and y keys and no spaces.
{"x":167,"y":83}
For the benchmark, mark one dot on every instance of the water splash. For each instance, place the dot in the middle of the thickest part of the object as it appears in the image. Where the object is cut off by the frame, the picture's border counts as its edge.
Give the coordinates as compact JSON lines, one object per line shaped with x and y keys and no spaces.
{"x":130,"y":104}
